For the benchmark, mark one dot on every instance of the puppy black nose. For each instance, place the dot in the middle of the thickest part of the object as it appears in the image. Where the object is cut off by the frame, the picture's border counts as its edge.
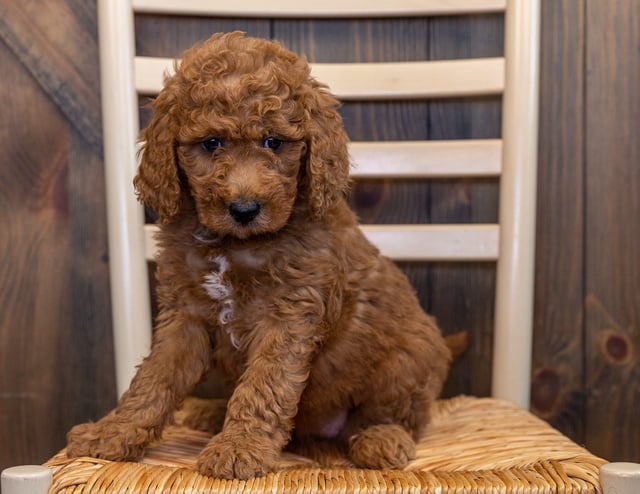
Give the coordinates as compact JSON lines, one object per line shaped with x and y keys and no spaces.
{"x":244,"y":212}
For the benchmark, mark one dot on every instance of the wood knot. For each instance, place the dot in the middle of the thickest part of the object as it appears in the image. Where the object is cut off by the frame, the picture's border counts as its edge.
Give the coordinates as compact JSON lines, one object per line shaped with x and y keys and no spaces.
{"x":545,"y":390}
{"x":616,"y":347}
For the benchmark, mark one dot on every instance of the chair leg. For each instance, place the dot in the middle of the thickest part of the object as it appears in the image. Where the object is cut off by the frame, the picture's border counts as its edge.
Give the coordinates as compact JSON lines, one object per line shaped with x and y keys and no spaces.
{"x":26,"y":479}
{"x":620,"y":478}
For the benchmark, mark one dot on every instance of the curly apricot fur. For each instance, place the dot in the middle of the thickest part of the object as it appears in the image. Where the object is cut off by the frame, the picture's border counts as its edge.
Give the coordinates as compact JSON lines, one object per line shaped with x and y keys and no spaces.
{"x":264,"y":275}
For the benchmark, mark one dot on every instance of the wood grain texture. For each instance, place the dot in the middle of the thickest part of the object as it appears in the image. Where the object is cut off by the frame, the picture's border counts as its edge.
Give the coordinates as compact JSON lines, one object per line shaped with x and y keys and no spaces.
{"x":56,"y":364}
{"x":612,"y":305}
{"x":90,"y":388}
{"x":165,"y":36}
{"x":33,"y":262}
{"x":463,"y":295}
{"x":59,"y":49}
{"x":557,"y":392}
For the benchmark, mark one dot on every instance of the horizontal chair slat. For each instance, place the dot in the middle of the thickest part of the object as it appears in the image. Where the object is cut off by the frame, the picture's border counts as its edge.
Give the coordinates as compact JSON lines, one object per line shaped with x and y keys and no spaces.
{"x":414,"y":242}
{"x":372,"y":81}
{"x":411,"y":80}
{"x":326,"y":8}
{"x":426,"y":159}
{"x":423,"y":159}
{"x":435,"y":242}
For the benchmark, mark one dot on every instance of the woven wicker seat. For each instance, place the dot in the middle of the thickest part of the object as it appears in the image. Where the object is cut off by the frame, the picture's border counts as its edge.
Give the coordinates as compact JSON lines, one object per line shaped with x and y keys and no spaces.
{"x":479,"y":445}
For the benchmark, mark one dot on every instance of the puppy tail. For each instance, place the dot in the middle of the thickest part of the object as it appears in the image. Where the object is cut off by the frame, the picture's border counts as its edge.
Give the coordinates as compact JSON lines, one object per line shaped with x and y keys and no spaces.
{"x":457,"y":343}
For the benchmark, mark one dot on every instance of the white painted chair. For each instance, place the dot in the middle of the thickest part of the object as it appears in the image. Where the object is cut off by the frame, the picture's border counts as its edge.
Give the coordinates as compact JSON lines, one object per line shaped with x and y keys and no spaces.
{"x":512,"y":158}
{"x":515,"y":76}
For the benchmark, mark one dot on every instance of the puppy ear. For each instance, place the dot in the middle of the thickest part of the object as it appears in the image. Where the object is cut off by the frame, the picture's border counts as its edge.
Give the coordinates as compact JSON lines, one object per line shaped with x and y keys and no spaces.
{"x":328,"y":157}
{"x":157,"y":182}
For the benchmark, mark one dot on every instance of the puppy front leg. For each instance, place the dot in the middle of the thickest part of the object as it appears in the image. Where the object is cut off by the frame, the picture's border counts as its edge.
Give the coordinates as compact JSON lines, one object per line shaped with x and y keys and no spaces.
{"x":263,"y":406}
{"x":179,"y":357}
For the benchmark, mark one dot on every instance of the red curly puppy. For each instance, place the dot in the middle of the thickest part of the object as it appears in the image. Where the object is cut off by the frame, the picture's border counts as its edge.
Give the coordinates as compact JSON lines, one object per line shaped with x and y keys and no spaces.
{"x":265,"y":276}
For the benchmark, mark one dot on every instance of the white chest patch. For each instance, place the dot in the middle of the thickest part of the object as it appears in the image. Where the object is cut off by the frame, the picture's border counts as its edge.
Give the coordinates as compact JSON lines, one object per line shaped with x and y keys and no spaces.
{"x":221,"y":291}
{"x":214,"y":282}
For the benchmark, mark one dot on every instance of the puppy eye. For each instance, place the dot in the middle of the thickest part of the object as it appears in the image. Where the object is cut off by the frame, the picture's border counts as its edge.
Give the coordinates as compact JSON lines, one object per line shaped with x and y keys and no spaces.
{"x":272,"y":143}
{"x":210,"y":145}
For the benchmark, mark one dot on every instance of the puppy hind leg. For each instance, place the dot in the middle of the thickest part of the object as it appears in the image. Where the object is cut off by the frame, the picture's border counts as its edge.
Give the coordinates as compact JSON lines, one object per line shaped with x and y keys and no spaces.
{"x":381,"y":433}
{"x":382,"y":446}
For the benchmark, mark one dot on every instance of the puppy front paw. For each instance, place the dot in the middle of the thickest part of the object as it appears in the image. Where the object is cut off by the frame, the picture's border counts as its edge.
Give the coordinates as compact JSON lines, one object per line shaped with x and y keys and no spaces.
{"x":229,"y":456}
{"x":107,"y":439}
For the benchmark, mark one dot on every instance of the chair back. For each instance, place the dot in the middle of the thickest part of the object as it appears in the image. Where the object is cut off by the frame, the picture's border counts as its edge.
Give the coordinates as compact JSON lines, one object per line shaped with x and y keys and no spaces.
{"x":512,"y":158}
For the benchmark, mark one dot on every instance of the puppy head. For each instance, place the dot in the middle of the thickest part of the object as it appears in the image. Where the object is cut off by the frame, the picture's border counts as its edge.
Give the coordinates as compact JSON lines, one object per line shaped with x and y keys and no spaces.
{"x":246,"y":134}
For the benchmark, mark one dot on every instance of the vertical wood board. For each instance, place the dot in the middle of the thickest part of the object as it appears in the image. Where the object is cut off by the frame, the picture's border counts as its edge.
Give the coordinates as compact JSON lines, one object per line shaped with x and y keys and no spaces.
{"x":558,"y":394}
{"x":56,"y":363}
{"x":612,"y":243}
{"x":462,"y":296}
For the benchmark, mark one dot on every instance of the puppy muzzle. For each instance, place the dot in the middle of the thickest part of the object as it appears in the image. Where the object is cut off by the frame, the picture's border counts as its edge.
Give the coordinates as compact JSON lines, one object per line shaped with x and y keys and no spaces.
{"x":244,"y":212}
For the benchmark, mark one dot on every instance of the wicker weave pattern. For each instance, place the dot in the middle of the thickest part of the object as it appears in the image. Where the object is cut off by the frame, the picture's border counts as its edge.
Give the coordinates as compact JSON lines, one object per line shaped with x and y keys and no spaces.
{"x":473,"y":445}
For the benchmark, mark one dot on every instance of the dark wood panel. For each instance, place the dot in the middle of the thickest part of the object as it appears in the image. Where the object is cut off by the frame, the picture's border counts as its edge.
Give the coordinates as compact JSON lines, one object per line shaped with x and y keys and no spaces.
{"x":33,"y":261}
{"x":34,"y":264}
{"x":89,"y":386}
{"x":168,"y":36}
{"x":56,"y":355}
{"x":613,"y":231}
{"x":557,"y":385}
{"x":463,"y":295}
{"x":355,"y":40}
{"x":59,"y":48}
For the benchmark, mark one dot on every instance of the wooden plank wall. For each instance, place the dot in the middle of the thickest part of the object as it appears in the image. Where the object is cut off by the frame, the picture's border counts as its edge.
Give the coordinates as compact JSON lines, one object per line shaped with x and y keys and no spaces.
{"x":56,"y":363}
{"x":558,"y":393}
{"x":612,"y":237}
{"x":56,"y":356}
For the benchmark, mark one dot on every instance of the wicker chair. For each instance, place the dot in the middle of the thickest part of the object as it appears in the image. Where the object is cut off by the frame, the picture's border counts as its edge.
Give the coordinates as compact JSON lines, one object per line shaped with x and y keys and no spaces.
{"x":479,"y":445}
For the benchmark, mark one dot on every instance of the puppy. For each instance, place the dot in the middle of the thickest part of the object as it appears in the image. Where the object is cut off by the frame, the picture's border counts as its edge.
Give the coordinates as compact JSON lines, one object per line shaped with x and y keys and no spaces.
{"x":265,"y":276}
